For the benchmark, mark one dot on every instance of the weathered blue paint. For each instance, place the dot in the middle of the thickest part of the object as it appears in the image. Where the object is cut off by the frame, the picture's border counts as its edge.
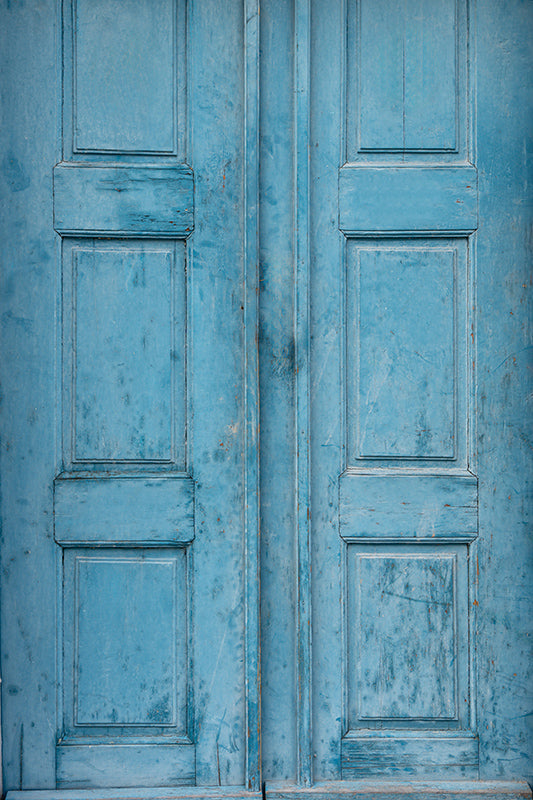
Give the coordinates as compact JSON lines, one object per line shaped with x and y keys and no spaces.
{"x":277,"y":373}
{"x":186,"y":793}
{"x":394,"y":199}
{"x":396,"y":215}
{"x":345,"y":239}
{"x":251,"y":396}
{"x":394,"y":790}
{"x":151,"y":486}
{"x":302,"y":423}
{"x":124,"y":201}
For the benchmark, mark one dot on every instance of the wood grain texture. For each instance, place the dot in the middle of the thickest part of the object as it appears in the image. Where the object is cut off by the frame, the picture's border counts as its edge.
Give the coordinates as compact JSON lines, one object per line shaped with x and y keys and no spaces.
{"x":92,"y":200}
{"x":302,"y":498}
{"x":402,"y":107}
{"x":123,"y":510}
{"x":404,"y":199}
{"x":401,"y":790}
{"x":393,"y":506}
{"x":252,"y":507}
{"x":427,"y":756}
{"x":142,"y":103}
{"x":408,"y":320}
{"x":95,"y":765}
{"x":119,"y":88}
{"x":138,"y":793}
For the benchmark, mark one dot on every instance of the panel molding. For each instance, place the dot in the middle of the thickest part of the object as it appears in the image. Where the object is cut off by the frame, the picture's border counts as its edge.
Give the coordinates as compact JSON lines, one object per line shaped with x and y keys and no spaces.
{"x":176,"y":90}
{"x":427,"y":585}
{"x":85,"y":565}
{"x":151,"y":749}
{"x":391,"y":575}
{"x":253,"y":779}
{"x":401,"y":124}
{"x":109,"y":388}
{"x":302,"y":321}
{"x":384,"y":284}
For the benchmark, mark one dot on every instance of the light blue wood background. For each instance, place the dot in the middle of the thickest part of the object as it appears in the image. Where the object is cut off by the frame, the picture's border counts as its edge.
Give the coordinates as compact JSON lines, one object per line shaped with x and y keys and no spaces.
{"x":279,"y":255}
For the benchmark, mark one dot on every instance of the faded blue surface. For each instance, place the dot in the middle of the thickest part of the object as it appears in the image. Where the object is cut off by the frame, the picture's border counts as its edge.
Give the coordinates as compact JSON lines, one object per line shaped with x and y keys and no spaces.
{"x":347,"y":240}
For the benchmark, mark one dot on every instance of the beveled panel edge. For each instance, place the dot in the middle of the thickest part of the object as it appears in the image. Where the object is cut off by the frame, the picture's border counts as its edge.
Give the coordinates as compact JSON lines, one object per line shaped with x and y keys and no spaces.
{"x":354,"y":351}
{"x":103,"y":150}
{"x":452,"y":718}
{"x":66,"y":67}
{"x":67,"y":308}
{"x":461,"y":76}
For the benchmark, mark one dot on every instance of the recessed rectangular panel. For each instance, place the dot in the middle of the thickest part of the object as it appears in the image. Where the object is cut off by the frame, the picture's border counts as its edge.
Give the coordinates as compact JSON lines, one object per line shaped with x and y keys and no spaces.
{"x":125,"y":644}
{"x":126,"y":628}
{"x":128,"y":354}
{"x":408,"y":61}
{"x":124,"y":76}
{"x":406,"y":626}
{"x":407,"y":637}
{"x":405,"y":362}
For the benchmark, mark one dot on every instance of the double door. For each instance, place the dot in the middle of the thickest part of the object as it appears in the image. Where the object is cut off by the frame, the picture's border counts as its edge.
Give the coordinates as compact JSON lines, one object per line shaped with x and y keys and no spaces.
{"x":263,"y":348}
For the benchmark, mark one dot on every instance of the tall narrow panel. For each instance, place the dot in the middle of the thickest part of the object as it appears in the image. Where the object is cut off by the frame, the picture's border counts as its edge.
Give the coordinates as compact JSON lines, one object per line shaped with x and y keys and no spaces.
{"x":126,"y":628}
{"x":124,"y":354}
{"x":407,"y":637}
{"x":404,"y":302}
{"x":125,"y":76}
{"x":408,"y":75}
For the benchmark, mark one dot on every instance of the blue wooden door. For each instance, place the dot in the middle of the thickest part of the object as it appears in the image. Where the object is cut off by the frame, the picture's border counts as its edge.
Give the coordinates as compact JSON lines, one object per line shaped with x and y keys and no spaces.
{"x":130,"y":633}
{"x":324,"y":205}
{"x":403,"y":621}
{"x":410,"y":564}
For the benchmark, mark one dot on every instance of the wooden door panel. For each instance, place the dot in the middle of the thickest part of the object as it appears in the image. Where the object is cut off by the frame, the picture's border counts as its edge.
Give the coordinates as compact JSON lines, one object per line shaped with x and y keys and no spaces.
{"x":406,"y":78}
{"x":399,"y":316}
{"x":150,"y":492}
{"x":126,"y":659}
